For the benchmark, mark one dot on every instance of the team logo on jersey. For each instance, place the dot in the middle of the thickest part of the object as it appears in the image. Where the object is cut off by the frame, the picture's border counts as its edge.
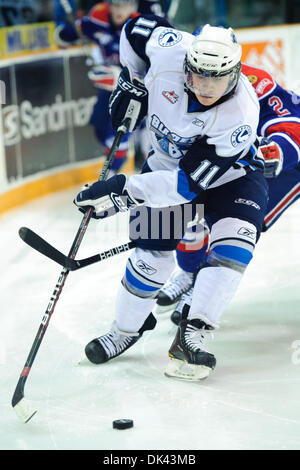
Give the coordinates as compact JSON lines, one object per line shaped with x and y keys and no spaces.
{"x":169,"y":37}
{"x":263,"y":85}
{"x":171,"y":96}
{"x":252,"y":79}
{"x":170,"y":143}
{"x":146,"y":268}
{"x":240,"y":135}
{"x":198,"y":122}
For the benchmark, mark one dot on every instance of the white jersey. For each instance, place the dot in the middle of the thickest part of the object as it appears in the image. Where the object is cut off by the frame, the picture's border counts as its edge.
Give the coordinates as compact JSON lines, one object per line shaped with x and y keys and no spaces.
{"x":194,"y":147}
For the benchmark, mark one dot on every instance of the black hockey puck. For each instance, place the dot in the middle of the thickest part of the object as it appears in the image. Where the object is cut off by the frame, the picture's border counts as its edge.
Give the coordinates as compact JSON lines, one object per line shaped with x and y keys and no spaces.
{"x":123,"y":424}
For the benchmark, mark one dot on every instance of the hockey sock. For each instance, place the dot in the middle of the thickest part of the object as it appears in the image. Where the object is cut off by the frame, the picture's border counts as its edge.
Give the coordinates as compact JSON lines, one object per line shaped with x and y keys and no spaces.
{"x":131,"y":311}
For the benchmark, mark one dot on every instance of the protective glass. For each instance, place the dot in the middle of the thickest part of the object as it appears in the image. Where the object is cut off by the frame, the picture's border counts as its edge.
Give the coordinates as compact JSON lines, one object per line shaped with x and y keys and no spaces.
{"x":209,"y":86}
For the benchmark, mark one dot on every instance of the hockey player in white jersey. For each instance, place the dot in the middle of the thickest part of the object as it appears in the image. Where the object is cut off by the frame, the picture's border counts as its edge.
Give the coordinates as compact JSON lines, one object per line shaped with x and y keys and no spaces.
{"x":202,"y":116}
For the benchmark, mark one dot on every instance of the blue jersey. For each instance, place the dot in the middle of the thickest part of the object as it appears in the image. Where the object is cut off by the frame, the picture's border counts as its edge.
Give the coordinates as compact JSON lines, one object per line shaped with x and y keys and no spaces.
{"x":97,"y":25}
{"x":279,"y":117}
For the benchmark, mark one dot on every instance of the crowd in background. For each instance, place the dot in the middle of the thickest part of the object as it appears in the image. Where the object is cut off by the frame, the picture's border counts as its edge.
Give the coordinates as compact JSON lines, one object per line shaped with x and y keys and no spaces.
{"x":185,"y":13}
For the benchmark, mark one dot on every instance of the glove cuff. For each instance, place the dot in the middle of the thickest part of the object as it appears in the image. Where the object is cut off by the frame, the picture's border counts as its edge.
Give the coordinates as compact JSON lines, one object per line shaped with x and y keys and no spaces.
{"x":127,"y":200}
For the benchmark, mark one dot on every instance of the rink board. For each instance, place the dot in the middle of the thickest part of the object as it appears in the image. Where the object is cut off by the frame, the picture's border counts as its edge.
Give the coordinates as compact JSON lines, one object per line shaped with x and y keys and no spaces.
{"x":46,"y":141}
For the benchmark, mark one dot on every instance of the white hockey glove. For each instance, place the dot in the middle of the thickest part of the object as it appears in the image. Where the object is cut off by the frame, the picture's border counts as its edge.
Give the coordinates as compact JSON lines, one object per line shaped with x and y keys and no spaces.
{"x":106,"y":197}
{"x":105,"y":77}
{"x":273,"y":157}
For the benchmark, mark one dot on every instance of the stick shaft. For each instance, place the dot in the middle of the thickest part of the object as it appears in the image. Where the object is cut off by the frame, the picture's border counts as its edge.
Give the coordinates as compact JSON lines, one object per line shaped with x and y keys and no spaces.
{"x":19,"y":391}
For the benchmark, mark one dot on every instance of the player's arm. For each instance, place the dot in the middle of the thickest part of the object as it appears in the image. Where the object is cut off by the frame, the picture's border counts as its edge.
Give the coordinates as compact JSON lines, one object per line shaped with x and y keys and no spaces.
{"x":135,"y":62}
{"x":155,"y":189}
{"x":134,"y":40}
{"x":273,"y":156}
{"x":279,"y":122}
{"x":197,"y":171}
{"x":281,"y":143}
{"x":281,"y":151}
{"x":66,"y":35}
{"x":97,"y":20}
{"x":229,"y":150}
{"x":281,"y":146}
{"x":200,"y":168}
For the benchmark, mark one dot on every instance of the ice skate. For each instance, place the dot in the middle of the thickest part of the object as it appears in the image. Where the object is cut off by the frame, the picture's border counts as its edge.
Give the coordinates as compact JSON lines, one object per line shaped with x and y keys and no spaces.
{"x":188,"y":358}
{"x":169,"y":296}
{"x":115,"y":342}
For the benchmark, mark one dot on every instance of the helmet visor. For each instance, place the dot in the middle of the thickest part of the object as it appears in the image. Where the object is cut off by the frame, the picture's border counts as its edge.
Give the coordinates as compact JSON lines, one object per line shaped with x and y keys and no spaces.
{"x":208,"y":85}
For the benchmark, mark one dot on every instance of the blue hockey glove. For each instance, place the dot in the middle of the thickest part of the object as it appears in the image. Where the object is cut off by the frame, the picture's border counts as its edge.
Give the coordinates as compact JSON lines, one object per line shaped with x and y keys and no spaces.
{"x":106,"y":197}
{"x":128,"y":89}
{"x":273,"y":157}
{"x":65,"y":35}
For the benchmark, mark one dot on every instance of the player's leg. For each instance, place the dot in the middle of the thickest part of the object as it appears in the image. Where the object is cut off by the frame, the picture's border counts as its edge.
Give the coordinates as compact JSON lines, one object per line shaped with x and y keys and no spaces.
{"x":283,"y":192}
{"x":190,"y":254}
{"x":147,"y":269}
{"x":235,"y":229}
{"x":146,"y":272}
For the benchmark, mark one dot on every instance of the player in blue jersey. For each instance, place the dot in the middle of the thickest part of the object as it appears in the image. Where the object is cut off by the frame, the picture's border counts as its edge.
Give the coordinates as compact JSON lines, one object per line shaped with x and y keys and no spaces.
{"x":103,"y":25}
{"x":202,"y":153}
{"x":279,"y":128}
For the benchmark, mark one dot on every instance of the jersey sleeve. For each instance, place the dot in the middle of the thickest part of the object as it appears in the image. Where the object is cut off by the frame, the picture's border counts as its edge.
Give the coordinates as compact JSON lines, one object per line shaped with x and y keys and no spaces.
{"x":260,"y":79}
{"x":134,"y":38}
{"x":198,"y":170}
{"x":279,"y":114}
{"x":202,"y":166}
{"x":286,"y":135}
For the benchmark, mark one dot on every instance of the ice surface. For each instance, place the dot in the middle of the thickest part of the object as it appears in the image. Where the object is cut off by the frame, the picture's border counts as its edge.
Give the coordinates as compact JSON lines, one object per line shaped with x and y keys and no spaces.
{"x":251,"y":400}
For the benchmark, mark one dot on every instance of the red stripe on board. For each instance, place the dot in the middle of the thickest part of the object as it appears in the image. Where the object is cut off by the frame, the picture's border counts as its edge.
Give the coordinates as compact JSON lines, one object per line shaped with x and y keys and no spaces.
{"x":282,"y":204}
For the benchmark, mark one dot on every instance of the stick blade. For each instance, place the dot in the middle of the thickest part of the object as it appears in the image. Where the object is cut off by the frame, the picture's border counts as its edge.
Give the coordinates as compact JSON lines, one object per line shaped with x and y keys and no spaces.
{"x":25,"y":410}
{"x":42,"y":246}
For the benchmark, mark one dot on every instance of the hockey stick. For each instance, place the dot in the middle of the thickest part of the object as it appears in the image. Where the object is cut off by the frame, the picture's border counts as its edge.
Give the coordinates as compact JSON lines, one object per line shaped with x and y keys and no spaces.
{"x":71,"y":19}
{"x":38,"y":243}
{"x":70,"y":16}
{"x":24,"y":408}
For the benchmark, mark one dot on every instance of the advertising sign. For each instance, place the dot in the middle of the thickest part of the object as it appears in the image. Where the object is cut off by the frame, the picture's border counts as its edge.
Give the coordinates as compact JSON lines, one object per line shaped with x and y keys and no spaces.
{"x":16,"y":40}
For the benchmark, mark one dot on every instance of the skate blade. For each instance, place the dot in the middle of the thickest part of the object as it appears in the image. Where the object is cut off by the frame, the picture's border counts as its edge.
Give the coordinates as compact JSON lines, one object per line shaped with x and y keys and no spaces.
{"x":85,"y":362}
{"x":184,"y":371}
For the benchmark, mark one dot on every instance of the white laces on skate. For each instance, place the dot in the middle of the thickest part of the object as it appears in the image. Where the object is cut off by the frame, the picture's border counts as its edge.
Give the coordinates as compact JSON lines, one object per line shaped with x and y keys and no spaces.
{"x":178,"y":284}
{"x":194,"y":337}
{"x":115,"y":341}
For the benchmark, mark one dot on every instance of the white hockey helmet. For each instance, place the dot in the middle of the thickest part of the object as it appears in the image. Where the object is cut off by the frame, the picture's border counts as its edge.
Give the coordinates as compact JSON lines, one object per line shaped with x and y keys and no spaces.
{"x":214,"y":52}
